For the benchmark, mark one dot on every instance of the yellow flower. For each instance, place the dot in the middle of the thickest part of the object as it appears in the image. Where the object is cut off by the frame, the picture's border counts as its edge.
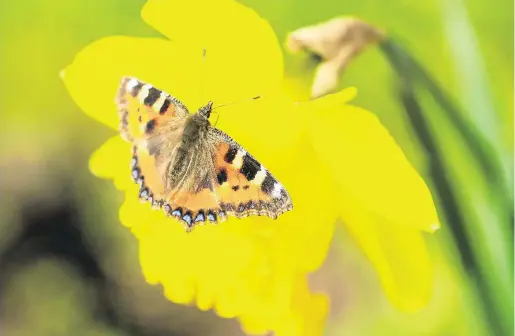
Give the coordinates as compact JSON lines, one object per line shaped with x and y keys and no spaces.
{"x":335,"y":160}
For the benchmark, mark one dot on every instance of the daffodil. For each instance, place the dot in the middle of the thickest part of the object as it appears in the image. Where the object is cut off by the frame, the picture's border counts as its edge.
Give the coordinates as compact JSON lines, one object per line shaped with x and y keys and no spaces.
{"x":336,"y":161}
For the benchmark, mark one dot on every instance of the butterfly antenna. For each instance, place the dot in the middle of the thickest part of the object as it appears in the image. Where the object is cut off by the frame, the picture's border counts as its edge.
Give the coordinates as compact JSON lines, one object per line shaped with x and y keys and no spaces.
{"x":232,"y":103}
{"x":202,"y":74}
{"x":236,"y":102}
{"x":217,"y":117}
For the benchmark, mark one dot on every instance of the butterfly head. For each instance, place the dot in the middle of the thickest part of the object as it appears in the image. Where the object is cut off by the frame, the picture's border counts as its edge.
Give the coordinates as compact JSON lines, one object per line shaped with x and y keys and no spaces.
{"x":205,"y":110}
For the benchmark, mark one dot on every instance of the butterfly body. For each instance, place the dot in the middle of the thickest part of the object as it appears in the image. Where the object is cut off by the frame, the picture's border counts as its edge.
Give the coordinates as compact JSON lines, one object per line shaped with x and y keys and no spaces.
{"x":191,"y":170}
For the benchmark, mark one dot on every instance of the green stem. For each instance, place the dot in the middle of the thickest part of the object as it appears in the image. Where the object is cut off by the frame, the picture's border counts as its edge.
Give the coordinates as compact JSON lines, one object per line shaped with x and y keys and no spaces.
{"x":411,"y":74}
{"x":485,"y":153}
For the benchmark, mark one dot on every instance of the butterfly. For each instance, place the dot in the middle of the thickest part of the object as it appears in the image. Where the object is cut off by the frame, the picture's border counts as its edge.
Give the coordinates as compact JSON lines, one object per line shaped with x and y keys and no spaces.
{"x":190,"y":169}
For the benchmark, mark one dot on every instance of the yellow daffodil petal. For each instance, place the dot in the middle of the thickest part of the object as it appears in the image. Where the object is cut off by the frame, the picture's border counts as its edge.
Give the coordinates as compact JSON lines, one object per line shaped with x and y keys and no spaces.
{"x":94,"y":76}
{"x":398,"y":253}
{"x":311,"y":222}
{"x":110,"y":159}
{"x":305,"y":317}
{"x":250,"y":276}
{"x":265,"y":136}
{"x":368,"y":165}
{"x":307,"y":314}
{"x":239,"y":45}
{"x":255,"y":269}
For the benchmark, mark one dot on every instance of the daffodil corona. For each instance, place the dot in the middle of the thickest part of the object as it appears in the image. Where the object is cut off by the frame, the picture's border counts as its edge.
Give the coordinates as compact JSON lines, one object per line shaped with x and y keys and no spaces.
{"x":336,"y":161}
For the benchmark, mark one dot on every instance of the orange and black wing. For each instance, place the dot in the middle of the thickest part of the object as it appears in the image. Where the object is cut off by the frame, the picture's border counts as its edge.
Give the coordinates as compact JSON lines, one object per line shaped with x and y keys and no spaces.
{"x":222,"y":179}
{"x":235,"y":183}
{"x":152,"y":120}
{"x":142,"y":107}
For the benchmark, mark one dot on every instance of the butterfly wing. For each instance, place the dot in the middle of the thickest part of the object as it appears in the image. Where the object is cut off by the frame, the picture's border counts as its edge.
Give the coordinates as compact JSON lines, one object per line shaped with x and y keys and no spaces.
{"x":224,"y":179}
{"x":218,"y":177}
{"x":141,"y":106}
{"x":244,"y":186}
{"x":152,"y":120}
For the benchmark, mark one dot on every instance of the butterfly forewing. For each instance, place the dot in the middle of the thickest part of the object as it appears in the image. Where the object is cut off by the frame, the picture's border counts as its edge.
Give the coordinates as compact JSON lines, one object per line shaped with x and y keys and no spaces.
{"x":141,"y":106}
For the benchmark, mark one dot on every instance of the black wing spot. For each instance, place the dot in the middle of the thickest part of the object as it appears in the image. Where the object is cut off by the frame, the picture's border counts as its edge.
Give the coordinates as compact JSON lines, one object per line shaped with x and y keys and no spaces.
{"x":153,"y":96}
{"x":245,"y":187}
{"x":231,"y":154}
{"x":235,"y":188}
{"x":222,"y":176}
{"x":150,"y":126}
{"x":165,"y":106}
{"x":268,"y":184}
{"x":249,"y":167}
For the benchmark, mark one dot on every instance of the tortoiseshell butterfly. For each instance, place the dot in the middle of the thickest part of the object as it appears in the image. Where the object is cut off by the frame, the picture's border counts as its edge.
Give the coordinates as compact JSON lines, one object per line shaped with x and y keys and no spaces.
{"x":190,"y":169}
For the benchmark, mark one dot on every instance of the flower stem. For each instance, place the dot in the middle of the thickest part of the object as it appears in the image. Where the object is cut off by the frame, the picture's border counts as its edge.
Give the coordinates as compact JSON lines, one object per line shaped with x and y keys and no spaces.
{"x":494,"y":298}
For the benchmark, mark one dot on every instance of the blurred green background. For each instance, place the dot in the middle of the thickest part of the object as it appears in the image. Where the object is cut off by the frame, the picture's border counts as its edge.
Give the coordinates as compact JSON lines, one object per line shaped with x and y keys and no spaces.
{"x":68,"y":268}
